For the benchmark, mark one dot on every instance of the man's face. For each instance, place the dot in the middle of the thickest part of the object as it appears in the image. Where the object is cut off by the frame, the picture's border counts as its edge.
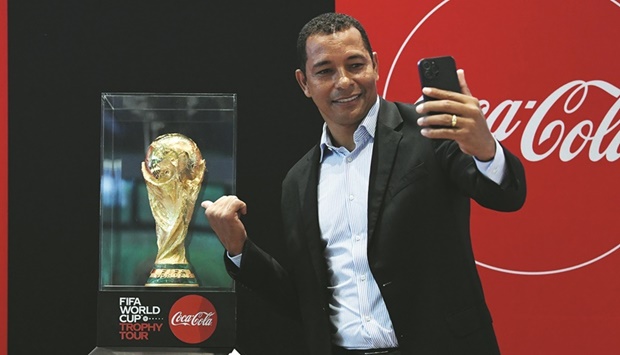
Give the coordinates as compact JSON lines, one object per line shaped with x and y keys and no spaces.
{"x":340,"y":77}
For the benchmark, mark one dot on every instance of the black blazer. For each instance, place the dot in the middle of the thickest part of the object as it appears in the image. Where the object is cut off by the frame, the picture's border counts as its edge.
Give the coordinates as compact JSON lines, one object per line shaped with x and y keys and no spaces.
{"x":419,"y":243}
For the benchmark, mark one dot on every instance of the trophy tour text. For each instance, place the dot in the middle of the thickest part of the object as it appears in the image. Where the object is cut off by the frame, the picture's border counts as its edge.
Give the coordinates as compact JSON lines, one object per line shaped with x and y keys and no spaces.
{"x":133,"y":318}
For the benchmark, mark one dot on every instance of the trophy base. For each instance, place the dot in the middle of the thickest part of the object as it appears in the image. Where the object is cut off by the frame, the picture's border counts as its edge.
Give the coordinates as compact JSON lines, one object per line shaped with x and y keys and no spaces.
{"x":171,"y":275}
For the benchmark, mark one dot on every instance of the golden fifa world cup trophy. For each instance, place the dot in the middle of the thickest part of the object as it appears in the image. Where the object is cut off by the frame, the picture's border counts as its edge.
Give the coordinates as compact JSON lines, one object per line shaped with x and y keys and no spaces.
{"x":173,"y":170}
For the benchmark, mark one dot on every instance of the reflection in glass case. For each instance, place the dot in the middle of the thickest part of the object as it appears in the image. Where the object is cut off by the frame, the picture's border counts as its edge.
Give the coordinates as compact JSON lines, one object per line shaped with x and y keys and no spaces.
{"x":135,"y":237}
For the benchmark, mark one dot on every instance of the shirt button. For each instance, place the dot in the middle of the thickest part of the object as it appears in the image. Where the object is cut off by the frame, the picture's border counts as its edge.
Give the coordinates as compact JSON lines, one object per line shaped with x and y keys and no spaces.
{"x":351,"y":197}
{"x":363,"y":277}
{"x":367,"y":318}
{"x":358,"y":238}
{"x":349,"y":159}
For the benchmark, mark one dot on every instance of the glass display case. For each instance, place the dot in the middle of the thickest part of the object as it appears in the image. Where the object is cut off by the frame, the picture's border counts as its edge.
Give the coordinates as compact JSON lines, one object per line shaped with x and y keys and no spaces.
{"x":162,"y":279}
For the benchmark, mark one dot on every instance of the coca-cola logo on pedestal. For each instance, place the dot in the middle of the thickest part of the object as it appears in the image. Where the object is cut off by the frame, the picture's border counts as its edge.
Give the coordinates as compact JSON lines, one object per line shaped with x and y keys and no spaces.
{"x":192,"y":319}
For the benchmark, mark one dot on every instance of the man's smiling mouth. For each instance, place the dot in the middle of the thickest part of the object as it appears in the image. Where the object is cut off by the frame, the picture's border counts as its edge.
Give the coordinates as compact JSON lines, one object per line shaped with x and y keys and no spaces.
{"x":348,"y":99}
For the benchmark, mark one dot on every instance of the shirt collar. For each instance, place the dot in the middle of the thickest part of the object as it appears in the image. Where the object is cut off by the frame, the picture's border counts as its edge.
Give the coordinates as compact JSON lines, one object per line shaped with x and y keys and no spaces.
{"x":369,"y":123}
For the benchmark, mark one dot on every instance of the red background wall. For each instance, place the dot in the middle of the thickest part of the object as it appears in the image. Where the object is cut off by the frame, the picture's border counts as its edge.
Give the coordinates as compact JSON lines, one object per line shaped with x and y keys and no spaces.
{"x":547,"y":75}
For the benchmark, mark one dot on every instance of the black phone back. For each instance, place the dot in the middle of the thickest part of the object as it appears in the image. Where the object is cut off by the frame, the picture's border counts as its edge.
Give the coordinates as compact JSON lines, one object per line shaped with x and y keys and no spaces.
{"x":438,"y":72}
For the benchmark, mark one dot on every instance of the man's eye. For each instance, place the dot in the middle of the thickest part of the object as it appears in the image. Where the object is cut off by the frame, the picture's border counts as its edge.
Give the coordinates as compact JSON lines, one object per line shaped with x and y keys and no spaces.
{"x":323,"y":72}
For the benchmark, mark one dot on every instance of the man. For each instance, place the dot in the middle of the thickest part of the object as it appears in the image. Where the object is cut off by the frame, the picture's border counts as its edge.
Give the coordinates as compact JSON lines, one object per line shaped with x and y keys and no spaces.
{"x":376,"y":216}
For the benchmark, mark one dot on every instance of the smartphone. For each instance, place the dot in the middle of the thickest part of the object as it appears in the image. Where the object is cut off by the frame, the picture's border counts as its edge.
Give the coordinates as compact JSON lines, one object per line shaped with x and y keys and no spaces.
{"x":438,"y":72}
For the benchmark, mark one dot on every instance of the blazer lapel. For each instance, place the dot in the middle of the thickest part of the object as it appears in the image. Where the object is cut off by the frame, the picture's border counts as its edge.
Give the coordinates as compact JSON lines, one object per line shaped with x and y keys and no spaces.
{"x":309,"y":208}
{"x":386,"y":142}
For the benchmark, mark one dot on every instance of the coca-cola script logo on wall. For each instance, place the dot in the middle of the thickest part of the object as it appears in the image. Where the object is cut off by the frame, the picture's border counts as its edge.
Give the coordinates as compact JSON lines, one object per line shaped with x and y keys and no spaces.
{"x":549,"y":86}
{"x":192,"y":319}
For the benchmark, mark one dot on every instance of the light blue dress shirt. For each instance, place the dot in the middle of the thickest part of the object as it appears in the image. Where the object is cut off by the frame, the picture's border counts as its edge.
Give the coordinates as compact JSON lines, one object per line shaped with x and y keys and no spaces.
{"x":357,"y":309}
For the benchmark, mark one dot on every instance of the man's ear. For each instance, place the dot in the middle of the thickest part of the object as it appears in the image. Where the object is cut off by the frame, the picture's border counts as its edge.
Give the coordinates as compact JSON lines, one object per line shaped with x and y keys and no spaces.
{"x":375,"y":63}
{"x":303,"y":83}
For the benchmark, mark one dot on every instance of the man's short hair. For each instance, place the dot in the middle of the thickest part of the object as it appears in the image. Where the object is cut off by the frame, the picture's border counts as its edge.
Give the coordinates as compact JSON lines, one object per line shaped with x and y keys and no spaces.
{"x":326,"y":24}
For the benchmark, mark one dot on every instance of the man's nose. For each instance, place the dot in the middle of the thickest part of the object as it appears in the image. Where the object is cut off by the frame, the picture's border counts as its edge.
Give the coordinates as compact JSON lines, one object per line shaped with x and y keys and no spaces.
{"x":343,"y":80}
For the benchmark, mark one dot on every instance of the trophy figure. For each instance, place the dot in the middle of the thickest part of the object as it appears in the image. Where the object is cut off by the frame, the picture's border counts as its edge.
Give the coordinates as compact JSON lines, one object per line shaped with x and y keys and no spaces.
{"x":173,"y":170}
